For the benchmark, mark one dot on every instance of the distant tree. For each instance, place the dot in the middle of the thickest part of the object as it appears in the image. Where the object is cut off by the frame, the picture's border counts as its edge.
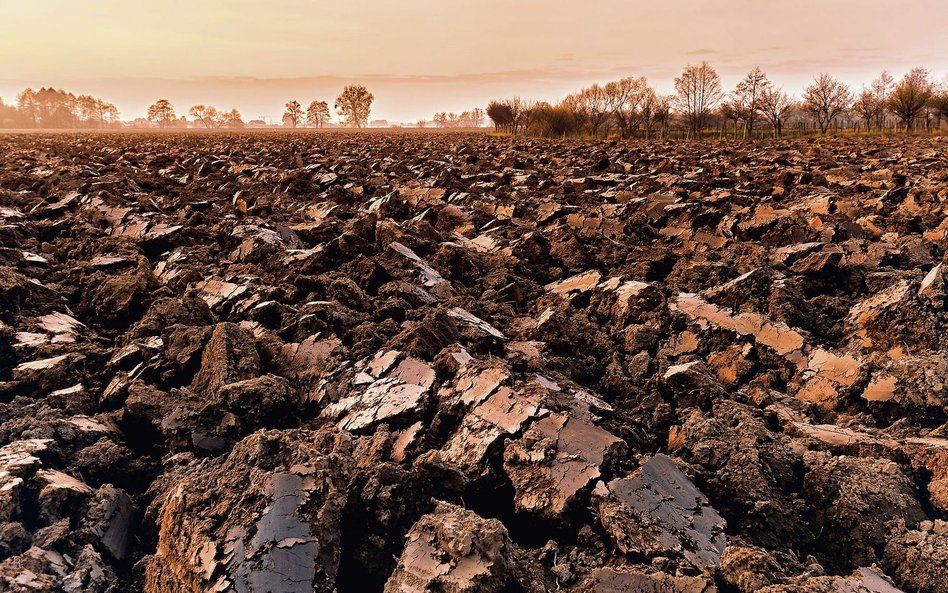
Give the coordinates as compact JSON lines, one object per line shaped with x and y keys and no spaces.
{"x":552,"y":121}
{"x":591,"y":107}
{"x":206,"y":115}
{"x":747,"y":96}
{"x":317,"y":114}
{"x":912,"y":95}
{"x":162,"y":113}
{"x":867,"y":107}
{"x":826,"y":99}
{"x":355,"y":104}
{"x":882,"y":88}
{"x":699,"y":90}
{"x":91,"y":111}
{"x":775,"y":105}
{"x":520,"y":111}
{"x":655,"y":113}
{"x":231,"y":119}
{"x":9,"y":116}
{"x":730,"y":110}
{"x":501,"y":115}
{"x":107,"y":113}
{"x":421,"y":123}
{"x":477,"y":117}
{"x":624,"y":100}
{"x":440,"y":119}
{"x":939,"y":100}
{"x":293,"y":114}
{"x":55,"y":108}
{"x":26,"y":101}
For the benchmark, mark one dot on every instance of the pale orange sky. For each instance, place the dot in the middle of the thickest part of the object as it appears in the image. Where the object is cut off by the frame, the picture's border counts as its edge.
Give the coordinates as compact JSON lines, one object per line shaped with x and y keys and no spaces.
{"x":421,"y":56}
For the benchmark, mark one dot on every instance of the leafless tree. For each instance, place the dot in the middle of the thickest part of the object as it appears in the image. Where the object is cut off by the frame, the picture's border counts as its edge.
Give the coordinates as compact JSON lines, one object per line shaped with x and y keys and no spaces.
{"x":939,"y":101}
{"x":775,"y":105}
{"x":730,"y":110}
{"x":912,"y":95}
{"x":882,"y":88}
{"x":625,"y":98}
{"x":519,"y":110}
{"x":591,"y":106}
{"x":477,"y":117}
{"x":699,"y":90}
{"x":826,"y":99}
{"x":867,"y":106}
{"x":355,"y":104}
{"x":501,"y":114}
{"x":655,"y":113}
{"x":747,"y":98}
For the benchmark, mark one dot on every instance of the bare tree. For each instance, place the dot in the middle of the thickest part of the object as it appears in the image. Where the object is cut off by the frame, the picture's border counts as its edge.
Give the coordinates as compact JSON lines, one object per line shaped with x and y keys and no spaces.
{"x":775,"y":105}
{"x":826,"y":99}
{"x":699,"y":90}
{"x":501,"y":115}
{"x":867,"y":106}
{"x":730,"y":110}
{"x":317,"y":114}
{"x":591,"y":106}
{"x":161,"y":112}
{"x":520,"y":111}
{"x":882,"y":88}
{"x":477,"y":117}
{"x":655,"y":112}
{"x":939,"y":101}
{"x":747,"y":98}
{"x":293,"y":114}
{"x":912,"y":95}
{"x":355,"y":104}
{"x":624,"y":101}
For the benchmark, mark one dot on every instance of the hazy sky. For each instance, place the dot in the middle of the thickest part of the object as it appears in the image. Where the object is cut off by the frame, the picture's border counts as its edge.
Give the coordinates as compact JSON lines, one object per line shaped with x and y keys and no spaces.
{"x":421,"y":56}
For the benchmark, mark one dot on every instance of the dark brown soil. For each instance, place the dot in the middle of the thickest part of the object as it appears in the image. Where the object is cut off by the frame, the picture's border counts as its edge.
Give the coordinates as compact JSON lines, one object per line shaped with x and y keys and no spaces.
{"x":460,"y":363}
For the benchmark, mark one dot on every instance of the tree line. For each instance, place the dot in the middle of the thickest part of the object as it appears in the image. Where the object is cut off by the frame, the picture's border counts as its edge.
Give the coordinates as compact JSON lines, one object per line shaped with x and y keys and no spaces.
{"x":466,"y":119}
{"x":700,"y":107}
{"x":56,"y":108}
{"x":353,"y":106}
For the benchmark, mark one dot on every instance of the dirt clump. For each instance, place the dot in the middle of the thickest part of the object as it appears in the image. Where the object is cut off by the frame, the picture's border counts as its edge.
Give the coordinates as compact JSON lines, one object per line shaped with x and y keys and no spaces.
{"x":410,"y":362}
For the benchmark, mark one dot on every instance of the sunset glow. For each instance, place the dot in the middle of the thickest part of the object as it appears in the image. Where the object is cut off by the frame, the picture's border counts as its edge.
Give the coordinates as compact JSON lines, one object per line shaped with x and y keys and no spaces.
{"x":422,"y":56}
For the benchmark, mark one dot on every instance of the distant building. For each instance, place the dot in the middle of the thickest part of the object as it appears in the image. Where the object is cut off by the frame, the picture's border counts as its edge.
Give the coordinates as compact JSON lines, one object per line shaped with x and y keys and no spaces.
{"x":256,"y":123}
{"x":379,"y":123}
